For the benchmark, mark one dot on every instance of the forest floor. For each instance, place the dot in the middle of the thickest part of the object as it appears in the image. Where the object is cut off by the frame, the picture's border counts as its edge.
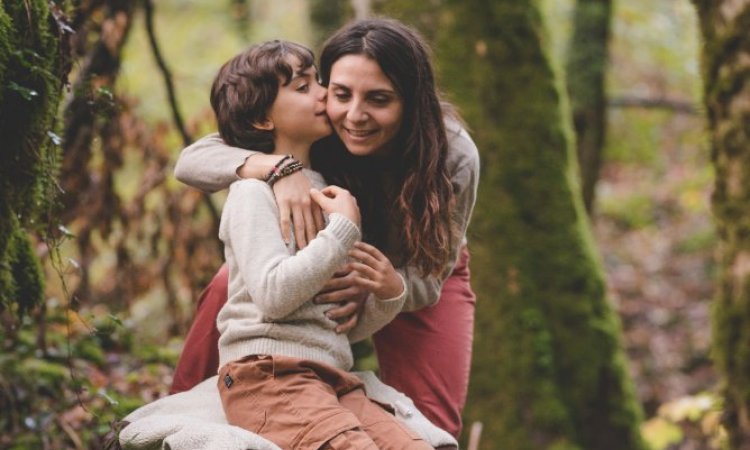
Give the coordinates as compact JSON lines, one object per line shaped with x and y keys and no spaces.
{"x":656,"y":238}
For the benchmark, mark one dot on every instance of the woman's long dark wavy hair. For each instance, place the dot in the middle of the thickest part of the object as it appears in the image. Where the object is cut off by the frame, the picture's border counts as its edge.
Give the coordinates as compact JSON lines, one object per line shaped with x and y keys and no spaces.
{"x":411,"y":185}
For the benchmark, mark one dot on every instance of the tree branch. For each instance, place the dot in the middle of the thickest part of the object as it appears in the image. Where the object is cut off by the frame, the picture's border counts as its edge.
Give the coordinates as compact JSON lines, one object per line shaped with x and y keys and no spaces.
{"x":678,"y":106}
{"x":176,"y":116}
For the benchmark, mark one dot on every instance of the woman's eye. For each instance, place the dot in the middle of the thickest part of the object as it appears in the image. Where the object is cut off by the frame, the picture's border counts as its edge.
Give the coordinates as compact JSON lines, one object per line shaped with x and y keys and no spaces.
{"x":341,"y":96}
{"x":379,"y":100}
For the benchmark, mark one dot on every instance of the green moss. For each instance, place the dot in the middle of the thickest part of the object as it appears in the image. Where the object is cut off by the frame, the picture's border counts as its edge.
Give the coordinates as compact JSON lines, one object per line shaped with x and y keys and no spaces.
{"x":27,"y":273}
{"x":5,"y":47}
{"x":725,"y":75}
{"x":31,"y":66}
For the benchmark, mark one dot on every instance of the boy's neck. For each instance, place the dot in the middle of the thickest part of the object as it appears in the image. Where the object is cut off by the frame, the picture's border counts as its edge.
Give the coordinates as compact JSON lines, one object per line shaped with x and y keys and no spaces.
{"x":300,"y":151}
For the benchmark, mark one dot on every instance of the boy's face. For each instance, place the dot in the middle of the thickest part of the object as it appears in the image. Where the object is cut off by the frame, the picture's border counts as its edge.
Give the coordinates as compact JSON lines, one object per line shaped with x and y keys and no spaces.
{"x":299,"y":112}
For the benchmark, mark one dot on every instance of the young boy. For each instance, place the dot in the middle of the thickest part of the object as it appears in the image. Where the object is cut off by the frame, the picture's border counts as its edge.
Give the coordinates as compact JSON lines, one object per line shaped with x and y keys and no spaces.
{"x":284,"y":368}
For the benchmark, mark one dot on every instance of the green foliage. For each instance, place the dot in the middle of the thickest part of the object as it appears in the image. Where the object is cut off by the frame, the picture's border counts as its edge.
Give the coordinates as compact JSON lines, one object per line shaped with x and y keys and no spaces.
{"x":699,"y":241}
{"x":364,"y":356}
{"x":32,"y":66}
{"x":696,"y":417}
{"x":67,"y":390}
{"x":327,"y":16}
{"x":632,"y":212}
{"x":636,"y":136}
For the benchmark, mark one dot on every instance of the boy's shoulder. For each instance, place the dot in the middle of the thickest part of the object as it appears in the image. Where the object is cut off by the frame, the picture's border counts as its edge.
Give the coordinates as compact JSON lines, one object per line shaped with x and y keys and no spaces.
{"x":249,"y":190}
{"x":249,"y":185}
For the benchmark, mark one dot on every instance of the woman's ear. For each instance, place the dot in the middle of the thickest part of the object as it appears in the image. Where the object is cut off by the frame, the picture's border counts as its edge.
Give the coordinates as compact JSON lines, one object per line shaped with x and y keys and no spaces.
{"x":265,"y":124}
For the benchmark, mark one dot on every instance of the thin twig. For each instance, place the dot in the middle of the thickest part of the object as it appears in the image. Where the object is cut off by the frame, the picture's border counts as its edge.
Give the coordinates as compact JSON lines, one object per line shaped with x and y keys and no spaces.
{"x":176,"y":116}
{"x":186,"y":139}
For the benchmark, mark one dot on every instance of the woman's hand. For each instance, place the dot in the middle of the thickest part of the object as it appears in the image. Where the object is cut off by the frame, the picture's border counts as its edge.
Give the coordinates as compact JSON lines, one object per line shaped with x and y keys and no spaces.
{"x":296,"y":209}
{"x":348,"y":297}
{"x":333,"y":199}
{"x":373,"y":271}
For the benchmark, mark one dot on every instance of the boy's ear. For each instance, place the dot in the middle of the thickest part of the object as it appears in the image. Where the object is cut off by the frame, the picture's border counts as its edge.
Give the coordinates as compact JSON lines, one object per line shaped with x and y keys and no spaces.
{"x":265,"y":124}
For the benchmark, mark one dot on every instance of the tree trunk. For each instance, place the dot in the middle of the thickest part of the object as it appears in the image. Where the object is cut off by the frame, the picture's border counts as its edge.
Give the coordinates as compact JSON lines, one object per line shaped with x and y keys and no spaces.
{"x":549,"y":370}
{"x":586,"y":69}
{"x":90,"y":116}
{"x":327,"y":16}
{"x":34,"y":62}
{"x":421,"y":14}
{"x":725,"y":26}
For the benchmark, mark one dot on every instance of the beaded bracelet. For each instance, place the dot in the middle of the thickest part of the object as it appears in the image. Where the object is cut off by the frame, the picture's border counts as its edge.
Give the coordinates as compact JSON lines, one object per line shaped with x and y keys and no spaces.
{"x":277,"y":167}
{"x":288,"y":169}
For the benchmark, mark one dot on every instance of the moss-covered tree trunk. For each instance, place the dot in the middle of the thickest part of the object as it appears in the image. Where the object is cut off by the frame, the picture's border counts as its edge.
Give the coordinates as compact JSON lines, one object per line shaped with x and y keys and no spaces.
{"x":725,"y":25}
{"x":549,"y":370}
{"x":34,"y":62}
{"x":585,"y":72}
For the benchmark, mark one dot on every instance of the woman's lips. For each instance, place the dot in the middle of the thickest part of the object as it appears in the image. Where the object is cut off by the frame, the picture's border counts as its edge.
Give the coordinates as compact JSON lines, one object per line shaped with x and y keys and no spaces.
{"x":359,"y":133}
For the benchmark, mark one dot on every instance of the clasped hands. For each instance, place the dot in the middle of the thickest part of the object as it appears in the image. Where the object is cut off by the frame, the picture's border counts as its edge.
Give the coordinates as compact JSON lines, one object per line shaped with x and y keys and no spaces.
{"x":368,"y":270}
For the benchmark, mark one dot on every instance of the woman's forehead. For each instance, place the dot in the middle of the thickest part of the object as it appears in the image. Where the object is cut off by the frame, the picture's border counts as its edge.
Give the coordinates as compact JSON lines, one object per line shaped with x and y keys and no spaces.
{"x":359,"y":70}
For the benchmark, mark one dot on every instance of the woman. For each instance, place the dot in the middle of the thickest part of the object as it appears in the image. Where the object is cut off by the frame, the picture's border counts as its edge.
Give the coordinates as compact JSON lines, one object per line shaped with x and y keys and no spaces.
{"x":415,"y":171}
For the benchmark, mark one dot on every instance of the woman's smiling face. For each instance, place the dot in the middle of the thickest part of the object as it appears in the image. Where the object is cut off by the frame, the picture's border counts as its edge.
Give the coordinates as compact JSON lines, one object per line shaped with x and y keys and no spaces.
{"x":365,"y":109}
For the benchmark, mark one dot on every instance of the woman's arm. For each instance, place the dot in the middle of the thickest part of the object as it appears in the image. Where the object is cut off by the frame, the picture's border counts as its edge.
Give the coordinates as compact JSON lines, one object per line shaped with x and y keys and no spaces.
{"x":211,"y":165}
{"x":278,"y":282}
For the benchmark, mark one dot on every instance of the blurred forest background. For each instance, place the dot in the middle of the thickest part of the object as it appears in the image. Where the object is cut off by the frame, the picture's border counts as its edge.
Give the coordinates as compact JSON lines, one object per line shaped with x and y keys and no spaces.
{"x":126,"y":249}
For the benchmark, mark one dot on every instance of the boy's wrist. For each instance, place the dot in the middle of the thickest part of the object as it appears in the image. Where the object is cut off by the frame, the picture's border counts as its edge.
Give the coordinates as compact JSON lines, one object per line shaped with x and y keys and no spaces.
{"x":286,"y":166}
{"x":258,"y":165}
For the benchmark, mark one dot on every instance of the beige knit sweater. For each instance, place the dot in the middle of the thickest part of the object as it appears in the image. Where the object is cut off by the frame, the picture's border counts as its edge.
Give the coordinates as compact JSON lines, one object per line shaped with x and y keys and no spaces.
{"x":269,"y":308}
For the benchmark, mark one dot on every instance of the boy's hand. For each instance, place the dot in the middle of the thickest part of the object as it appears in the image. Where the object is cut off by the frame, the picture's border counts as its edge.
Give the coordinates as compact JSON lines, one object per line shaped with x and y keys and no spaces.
{"x":333,"y":199}
{"x":296,"y":209}
{"x":292,"y":197}
{"x":373,"y":271}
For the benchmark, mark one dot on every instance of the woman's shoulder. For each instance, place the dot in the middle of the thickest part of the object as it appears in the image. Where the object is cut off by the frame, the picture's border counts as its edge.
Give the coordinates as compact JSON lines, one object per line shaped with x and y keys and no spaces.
{"x":462,"y":151}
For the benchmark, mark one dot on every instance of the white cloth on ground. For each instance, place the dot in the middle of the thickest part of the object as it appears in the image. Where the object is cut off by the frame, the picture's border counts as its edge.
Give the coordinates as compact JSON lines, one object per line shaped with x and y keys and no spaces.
{"x":194,"y":420}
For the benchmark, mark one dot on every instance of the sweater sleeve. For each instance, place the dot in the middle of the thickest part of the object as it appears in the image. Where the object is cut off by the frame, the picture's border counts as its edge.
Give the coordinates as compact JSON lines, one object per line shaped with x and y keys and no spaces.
{"x":377,"y":313}
{"x":209,"y":164}
{"x":278,"y":283}
{"x":464,"y":167}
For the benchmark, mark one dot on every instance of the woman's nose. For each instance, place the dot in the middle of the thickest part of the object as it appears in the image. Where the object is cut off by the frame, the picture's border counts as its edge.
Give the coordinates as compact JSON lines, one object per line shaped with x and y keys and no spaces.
{"x":356,"y":112}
